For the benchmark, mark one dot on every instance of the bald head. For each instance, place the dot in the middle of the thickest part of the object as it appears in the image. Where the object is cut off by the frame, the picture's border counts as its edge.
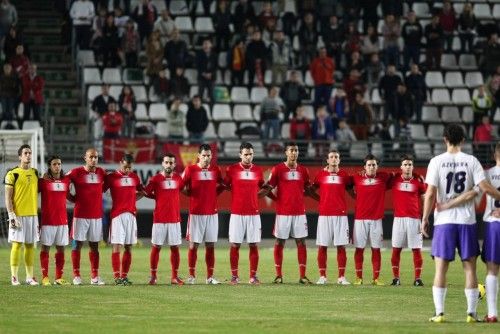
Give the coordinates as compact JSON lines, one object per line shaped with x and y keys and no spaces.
{"x":91,"y":159}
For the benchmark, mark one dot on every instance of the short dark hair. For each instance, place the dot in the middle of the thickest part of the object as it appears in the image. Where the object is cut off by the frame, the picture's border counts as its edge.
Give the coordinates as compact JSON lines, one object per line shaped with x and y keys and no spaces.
{"x":246,"y":145}
{"x":334,"y":150}
{"x":368,"y":157}
{"x":20,"y":150}
{"x":128,"y":158}
{"x":454,"y":134}
{"x":204,"y":147}
{"x":290,"y":144}
{"x":196,"y":97}
{"x":169,"y":155}
{"x":406,"y":157}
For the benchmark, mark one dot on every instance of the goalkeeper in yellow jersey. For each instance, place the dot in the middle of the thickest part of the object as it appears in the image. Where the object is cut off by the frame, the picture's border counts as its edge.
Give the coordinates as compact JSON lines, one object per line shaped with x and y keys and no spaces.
{"x":21,"y":190}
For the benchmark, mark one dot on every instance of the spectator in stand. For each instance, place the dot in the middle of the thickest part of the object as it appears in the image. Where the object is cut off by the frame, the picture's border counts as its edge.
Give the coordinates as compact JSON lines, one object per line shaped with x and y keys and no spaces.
{"x":355,"y":63}
{"x":300,"y":131}
{"x":176,"y":121}
{"x":360,"y":117}
{"x":392,"y":7}
{"x":493,"y":86}
{"x":391,"y":30}
{"x":415,"y":83}
{"x":127,"y":106}
{"x":292,"y":93}
{"x":206,"y":64}
{"x":121,"y":20}
{"x":483,"y":138}
{"x":404,"y":137}
{"x":353,"y":84}
{"x":281,"y":52}
{"x":9,"y":93}
{"x":32,"y":86}
{"x":491,"y":55}
{"x":243,"y":12}
{"x":308,"y":39}
{"x":270,"y":109}
{"x":412,"y":33}
{"x":161,"y":86}
{"x":222,"y":21}
{"x":344,"y":136}
{"x":110,"y":43}
{"x":370,"y":44}
{"x":11,"y":41}
{"x":268,"y":31}
{"x":434,"y":35}
{"x":98,"y":24}
{"x":100,"y":104}
{"x":256,"y":55}
{"x":131,"y":45}
{"x":333,"y":35}
{"x":126,"y":5}
{"x":166,"y":26}
{"x":373,"y":70}
{"x":385,"y":136}
{"x":237,"y":63}
{"x":82,"y":12}
{"x":387,"y":87}
{"x":448,"y":21}
{"x":196,"y":120}
{"x":322,"y":69}
{"x":154,"y":54}
{"x":352,"y":39}
{"x":8,"y":18}
{"x":112,"y":121}
{"x":20,"y":62}
{"x":467,"y":28}
{"x":339,"y":105}
{"x":370,"y":16}
{"x":482,"y":104}
{"x":179,"y":84}
{"x":322,"y":130}
{"x":145,"y":14}
{"x":266,"y":14}
{"x":404,"y":107}
{"x":176,"y":52}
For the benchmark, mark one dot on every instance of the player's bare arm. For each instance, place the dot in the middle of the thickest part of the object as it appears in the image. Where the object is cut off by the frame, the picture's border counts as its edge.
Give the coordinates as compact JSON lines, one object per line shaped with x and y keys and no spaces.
{"x":9,"y":195}
{"x":429,"y":199}
{"x":487,"y":188}
{"x":457,"y":201}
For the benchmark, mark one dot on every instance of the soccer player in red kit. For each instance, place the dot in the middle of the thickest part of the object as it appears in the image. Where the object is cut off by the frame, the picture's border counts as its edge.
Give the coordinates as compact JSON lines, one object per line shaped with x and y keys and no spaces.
{"x":88,"y":181}
{"x":203,"y":181}
{"x":370,"y":187}
{"x":291,"y":181}
{"x":164,"y":188}
{"x":125,"y":188}
{"x":407,"y":192}
{"x":54,"y":188}
{"x":333,"y":226}
{"x":245,"y":180}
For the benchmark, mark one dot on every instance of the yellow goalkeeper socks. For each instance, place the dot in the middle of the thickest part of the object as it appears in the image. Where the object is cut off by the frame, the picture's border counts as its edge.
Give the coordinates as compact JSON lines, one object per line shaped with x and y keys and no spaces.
{"x":15,"y":253}
{"x":29,"y":259}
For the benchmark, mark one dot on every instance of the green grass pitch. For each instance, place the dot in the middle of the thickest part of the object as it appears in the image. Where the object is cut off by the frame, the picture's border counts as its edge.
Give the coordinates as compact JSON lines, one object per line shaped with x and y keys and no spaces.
{"x":268,"y":308}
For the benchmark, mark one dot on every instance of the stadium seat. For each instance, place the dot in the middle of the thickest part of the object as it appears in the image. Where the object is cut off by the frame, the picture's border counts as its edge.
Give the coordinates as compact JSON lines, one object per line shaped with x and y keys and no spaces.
{"x":454,"y":79}
{"x":115,"y":91}
{"x":449,"y":62}
{"x":179,"y":7}
{"x":290,"y":7}
{"x":467,"y":148}
{"x":232,"y":148}
{"x":467,"y":115}
{"x":86,"y":58}
{"x":358,"y":150}
{"x":184,"y":24}
{"x":434,"y":79}
{"x":242,"y":113}
{"x":458,"y":7}
{"x":421,"y":9}
{"x":112,"y":76}
{"x":222,"y":59}
{"x":296,"y":43}
{"x":467,"y":62}
{"x":158,"y":112}
{"x":208,"y":109}
{"x":221,"y":112}
{"x":140,"y":93}
{"x":440,"y":96}
{"x":473,"y":79}
{"x":417,"y":131}
{"x":482,"y":11}
{"x":28,"y":125}
{"x":92,"y":92}
{"x":91,"y":76}
{"x":377,"y":149}
{"x":191,"y":75}
{"x":227,"y":130}
{"x":141,"y":113}
{"x":161,"y":129}
{"x":309,"y":112}
{"x":258,"y":94}
{"x":193,"y":90}
{"x":256,"y":113}
{"x":496,"y":117}
{"x":309,"y":82}
{"x":430,"y":114}
{"x":496,"y":12}
{"x":456,"y":44}
{"x":133,"y":76}
{"x":204,"y":25}
{"x":152,"y":97}
{"x":285,"y":130}
{"x":376,"y":99}
{"x":438,"y":148}
{"x":435,"y":131}
{"x":210,"y":132}
{"x":240,"y":95}
{"x":450,"y":114}
{"x":422,"y":150}
{"x":461,"y":96}
{"x":258,"y":150}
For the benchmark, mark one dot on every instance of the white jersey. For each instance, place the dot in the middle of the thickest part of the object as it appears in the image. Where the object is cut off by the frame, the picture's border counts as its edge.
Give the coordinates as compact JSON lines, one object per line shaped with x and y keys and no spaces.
{"x":454,"y":174}
{"x":493,"y":175}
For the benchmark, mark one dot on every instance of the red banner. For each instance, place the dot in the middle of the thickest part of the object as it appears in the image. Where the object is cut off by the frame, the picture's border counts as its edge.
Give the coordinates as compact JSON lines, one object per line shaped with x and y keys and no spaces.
{"x":186,"y":155}
{"x":143,"y":150}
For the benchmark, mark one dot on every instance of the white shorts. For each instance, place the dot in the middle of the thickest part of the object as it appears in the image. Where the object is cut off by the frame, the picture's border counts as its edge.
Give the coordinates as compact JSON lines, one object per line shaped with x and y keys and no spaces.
{"x":202,"y":228}
{"x":123,"y":229}
{"x":290,"y":226}
{"x":84,"y":229}
{"x":27,"y":233}
{"x":332,"y":230}
{"x":169,"y":233}
{"x":406,"y":231}
{"x":241,"y":225}
{"x":54,"y":235}
{"x":365,"y":229}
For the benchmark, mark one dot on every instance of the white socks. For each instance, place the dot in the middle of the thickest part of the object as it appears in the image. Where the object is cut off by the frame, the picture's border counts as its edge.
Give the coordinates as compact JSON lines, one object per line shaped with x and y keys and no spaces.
{"x":438,"y":295}
{"x":492,"y":295}
{"x":472,"y":296}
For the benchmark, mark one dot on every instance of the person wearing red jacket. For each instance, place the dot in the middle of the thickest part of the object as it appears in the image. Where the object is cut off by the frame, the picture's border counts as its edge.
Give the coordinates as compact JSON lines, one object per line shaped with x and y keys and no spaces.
{"x":32,"y":93}
{"x":20,"y":62}
{"x":112,"y":121}
{"x":322,"y":69}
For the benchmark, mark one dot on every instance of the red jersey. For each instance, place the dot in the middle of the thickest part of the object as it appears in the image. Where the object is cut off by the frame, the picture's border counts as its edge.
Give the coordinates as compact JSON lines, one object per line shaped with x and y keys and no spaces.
{"x":54,"y":200}
{"x":291,"y":184}
{"x":370,"y":194}
{"x":202,"y":184}
{"x":245,"y":184}
{"x":165,"y":191}
{"x":407,"y":195}
{"x":123,"y":188}
{"x":88,"y":192}
{"x":332,"y":188}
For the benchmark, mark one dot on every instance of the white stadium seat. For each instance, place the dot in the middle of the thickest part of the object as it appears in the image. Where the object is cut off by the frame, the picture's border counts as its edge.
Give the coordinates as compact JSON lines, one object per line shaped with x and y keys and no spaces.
{"x":467,"y":62}
{"x":440,"y":96}
{"x":184,"y":24}
{"x":454,"y":79}
{"x":227,"y":130}
{"x":204,"y":25}
{"x":450,"y":114}
{"x":242,"y":112}
{"x":430,"y":114}
{"x":240,"y":95}
{"x":91,"y":76}
{"x":221,"y":112}
{"x":161,"y":129}
{"x":473,"y":79}
{"x":435,"y":131}
{"x":258,"y":94}
{"x":141,"y":113}
{"x":434,"y":79}
{"x":140,"y":93}
{"x":461,"y":96}
{"x":417,"y":131}
{"x":158,"y":111}
{"x":112,"y":76}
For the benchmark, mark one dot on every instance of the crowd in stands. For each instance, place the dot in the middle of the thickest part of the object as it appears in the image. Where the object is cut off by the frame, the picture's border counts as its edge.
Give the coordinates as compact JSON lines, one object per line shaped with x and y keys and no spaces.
{"x":19,"y":82}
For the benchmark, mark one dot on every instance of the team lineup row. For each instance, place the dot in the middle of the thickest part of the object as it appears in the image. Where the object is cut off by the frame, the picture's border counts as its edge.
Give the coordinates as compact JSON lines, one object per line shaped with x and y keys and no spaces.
{"x":288,"y":184}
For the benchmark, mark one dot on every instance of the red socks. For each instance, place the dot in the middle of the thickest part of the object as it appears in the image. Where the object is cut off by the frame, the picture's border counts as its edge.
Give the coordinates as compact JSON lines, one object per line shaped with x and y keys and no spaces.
{"x":75,"y":259}
{"x":115,"y":263}
{"x":44,"y":263}
{"x":322,"y":258}
{"x":278,"y":259}
{"x":234,"y":256}
{"x":358,"y":262}
{"x":174,"y":261}
{"x":417,"y":262}
{"x":254,"y":260}
{"x":154,"y":257}
{"x":59,"y":264}
{"x":94,"y":264}
{"x":302,"y":258}
{"x":210,"y":260}
{"x":376,"y":261}
{"x":192,"y":256}
{"x":126,"y":262}
{"x":341,"y":260}
{"x":395,"y":260}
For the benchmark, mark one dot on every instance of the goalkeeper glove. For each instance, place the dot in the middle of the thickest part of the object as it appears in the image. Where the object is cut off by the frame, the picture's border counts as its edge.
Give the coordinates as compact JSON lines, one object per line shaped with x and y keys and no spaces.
{"x":14,"y":223}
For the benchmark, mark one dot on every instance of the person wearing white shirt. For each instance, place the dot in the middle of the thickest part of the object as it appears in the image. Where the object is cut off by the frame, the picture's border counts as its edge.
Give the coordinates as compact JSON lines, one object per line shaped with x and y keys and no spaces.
{"x":82,"y":12}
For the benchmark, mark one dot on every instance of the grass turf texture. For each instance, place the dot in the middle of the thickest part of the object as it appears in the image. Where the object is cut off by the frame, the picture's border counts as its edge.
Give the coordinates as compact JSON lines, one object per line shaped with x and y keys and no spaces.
{"x":267,"y":308}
